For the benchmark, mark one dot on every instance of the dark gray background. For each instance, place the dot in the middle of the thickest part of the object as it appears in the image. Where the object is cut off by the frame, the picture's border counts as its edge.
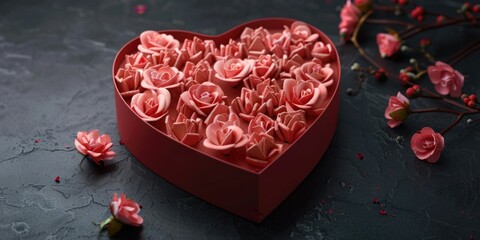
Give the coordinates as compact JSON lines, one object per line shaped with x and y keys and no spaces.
{"x":55,"y":79}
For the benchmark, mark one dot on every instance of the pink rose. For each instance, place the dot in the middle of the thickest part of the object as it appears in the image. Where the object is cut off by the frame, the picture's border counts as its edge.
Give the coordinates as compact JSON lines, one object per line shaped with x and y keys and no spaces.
{"x":363,"y":5}
{"x":197,"y":73}
{"x":224,"y":136}
{"x":137,"y":61}
{"x":315,"y":72}
{"x":305,"y":95}
{"x":222,"y":113}
{"x":273,"y":97}
{"x":279,"y":43}
{"x":152,"y":42}
{"x":265,"y":67}
{"x":163,"y":77}
{"x":255,"y":41}
{"x":322,"y":52}
{"x":233,"y":71}
{"x":197,"y":50}
{"x":427,"y":145}
{"x":397,"y":110}
{"x":262,"y":125}
{"x":151,"y":105}
{"x":290,"y":125}
{"x":248,"y":105}
{"x":387,"y":44}
{"x":169,"y":57}
{"x":349,"y":15}
{"x":125,"y":210}
{"x":94,"y":145}
{"x":128,"y":81}
{"x":252,"y":81}
{"x":301,"y":49}
{"x":446,"y":79}
{"x":261,"y":149}
{"x":232,"y":49}
{"x":290,"y":64}
{"x":187,"y":131}
{"x":201,"y":98}
{"x":301,"y":33}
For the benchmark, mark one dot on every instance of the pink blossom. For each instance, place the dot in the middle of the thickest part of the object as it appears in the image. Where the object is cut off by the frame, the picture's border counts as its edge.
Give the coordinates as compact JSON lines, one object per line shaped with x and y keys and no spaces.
{"x":128,"y":81}
{"x":446,"y":79}
{"x":261,"y":149}
{"x":315,"y":72}
{"x":349,"y":16}
{"x":388,"y":44}
{"x":94,"y":145}
{"x":322,"y":51}
{"x":265,"y":67}
{"x":397,"y":110}
{"x":248,"y":105}
{"x":224,"y":136}
{"x":290,"y":125}
{"x":125,"y":210}
{"x":427,"y":145}
{"x":233,"y":71}
{"x":151,"y":105}
{"x":232,"y":49}
{"x":163,"y":77}
{"x":301,"y":32}
{"x":197,"y":50}
{"x":197,"y":73}
{"x":186,"y":130}
{"x":255,"y":41}
{"x":305,"y":95}
{"x":152,"y":42}
{"x":201,"y":98}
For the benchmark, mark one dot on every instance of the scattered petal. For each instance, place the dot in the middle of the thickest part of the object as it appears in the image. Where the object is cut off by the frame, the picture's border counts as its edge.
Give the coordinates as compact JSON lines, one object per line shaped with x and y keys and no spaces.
{"x":140,"y":9}
{"x":57,"y":179}
{"x":375,"y":200}
{"x":359,"y":156}
{"x":382,"y":212}
{"x":37,"y":140}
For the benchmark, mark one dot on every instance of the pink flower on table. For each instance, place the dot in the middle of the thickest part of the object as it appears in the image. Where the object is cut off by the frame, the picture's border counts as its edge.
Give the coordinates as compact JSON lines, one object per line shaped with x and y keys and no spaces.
{"x":125,"y":210}
{"x":186,"y":130}
{"x":163,"y":77}
{"x":265,"y":67}
{"x":261,"y":149}
{"x":446,"y":79}
{"x":290,"y":125}
{"x":151,"y":105}
{"x":128,"y":81}
{"x":255,"y":41}
{"x":232,"y":49}
{"x":153,"y":42}
{"x":248,"y":105}
{"x":138,"y":60}
{"x":224,"y":137}
{"x":315,"y":72}
{"x":427,"y":145}
{"x":201,"y":98}
{"x":349,"y":15}
{"x":94,"y":145}
{"x":262,"y":125}
{"x":322,"y":51}
{"x":397,"y":110}
{"x":388,"y":44}
{"x":233,"y":71}
{"x":197,"y":73}
{"x":305,"y":95}
{"x":273,"y":97}
{"x":301,"y":32}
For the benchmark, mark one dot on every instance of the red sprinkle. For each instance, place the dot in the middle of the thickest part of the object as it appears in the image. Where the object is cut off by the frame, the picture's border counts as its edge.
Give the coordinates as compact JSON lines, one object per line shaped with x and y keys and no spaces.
{"x":330,"y":211}
{"x":37,"y":140}
{"x":382,"y":212}
{"x":359,"y":156}
{"x":67,"y":146}
{"x":121,"y":142}
{"x":57,"y":179}
{"x":375,"y":200}
{"x":140,"y":9}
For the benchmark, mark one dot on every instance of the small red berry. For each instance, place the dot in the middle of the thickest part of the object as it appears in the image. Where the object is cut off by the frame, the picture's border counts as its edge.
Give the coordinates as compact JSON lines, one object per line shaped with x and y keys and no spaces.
{"x":471,"y":104}
{"x":467,"y":5}
{"x":473,"y":97}
{"x":417,"y":87}
{"x":466,"y":100}
{"x":409,"y":69}
{"x":417,"y":13}
{"x":440,"y":18}
{"x":476,"y":8}
{"x":424,"y":42}
{"x":404,"y":77}
{"x":380,"y":74}
{"x":382,"y":212}
{"x":402,"y":2}
{"x":410,"y":92}
{"x":375,"y":200}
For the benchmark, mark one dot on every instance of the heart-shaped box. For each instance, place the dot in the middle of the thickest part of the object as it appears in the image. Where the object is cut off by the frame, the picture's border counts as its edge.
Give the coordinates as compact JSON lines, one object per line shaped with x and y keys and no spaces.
{"x":250,"y":193}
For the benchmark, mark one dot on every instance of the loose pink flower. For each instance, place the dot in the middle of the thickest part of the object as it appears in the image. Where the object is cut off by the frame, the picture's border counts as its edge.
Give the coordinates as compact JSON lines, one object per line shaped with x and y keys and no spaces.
{"x":224,"y":136}
{"x":233,"y":71}
{"x":151,"y":105}
{"x":446,"y":79}
{"x":261,"y":149}
{"x":152,"y":42}
{"x":163,"y":77}
{"x":315,"y":72}
{"x":301,"y":32}
{"x":427,"y":145}
{"x":388,"y":44}
{"x":397,"y":110}
{"x":290,"y":125}
{"x":305,"y":95}
{"x":349,"y":16}
{"x":125,"y":210}
{"x":128,"y":81}
{"x":94,"y":145}
{"x":201,"y":98}
{"x":188,"y":131}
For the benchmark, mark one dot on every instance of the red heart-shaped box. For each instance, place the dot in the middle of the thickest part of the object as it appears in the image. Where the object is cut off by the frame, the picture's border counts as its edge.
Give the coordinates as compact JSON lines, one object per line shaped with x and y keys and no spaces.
{"x":246,"y":192}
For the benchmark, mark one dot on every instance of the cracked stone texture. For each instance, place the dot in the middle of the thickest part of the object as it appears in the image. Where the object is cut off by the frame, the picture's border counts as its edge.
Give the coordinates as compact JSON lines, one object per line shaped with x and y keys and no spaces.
{"x":55,"y":80}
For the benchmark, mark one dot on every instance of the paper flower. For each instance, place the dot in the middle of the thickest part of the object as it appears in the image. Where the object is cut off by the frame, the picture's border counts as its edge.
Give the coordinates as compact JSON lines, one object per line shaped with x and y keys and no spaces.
{"x":388,"y":44}
{"x":232,"y":49}
{"x":168,"y":57}
{"x":427,"y":145}
{"x":322,"y":51}
{"x":94,"y":145}
{"x":255,"y":41}
{"x":290,"y":125}
{"x":265,"y":67}
{"x":186,"y":130}
{"x":273,"y":97}
{"x":128,"y":81}
{"x":446,"y":79}
{"x":397,"y":110}
{"x":162,"y":77}
{"x":349,"y":15}
{"x":124,"y":211}
{"x":200,"y":98}
{"x":261,"y":149}
{"x":151,"y":105}
{"x":152,"y":42}
{"x":300,"y":32}
{"x":248,"y":105}
{"x":315,"y":71}
{"x":224,"y":136}
{"x":197,"y":50}
{"x":137,"y":61}
{"x":197,"y":73}
{"x":233,"y":71}
{"x":279,"y":43}
{"x":305,"y":95}
{"x":262,"y":125}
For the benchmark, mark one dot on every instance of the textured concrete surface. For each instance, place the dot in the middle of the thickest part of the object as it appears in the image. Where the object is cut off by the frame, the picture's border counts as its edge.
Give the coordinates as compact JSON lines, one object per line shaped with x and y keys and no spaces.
{"x":55,"y":79}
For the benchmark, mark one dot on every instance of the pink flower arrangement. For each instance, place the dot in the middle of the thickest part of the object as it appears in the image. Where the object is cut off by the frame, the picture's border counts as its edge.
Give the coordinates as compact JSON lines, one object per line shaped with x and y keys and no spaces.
{"x":446,"y":79}
{"x":253,"y":94}
{"x":427,"y":145}
{"x":94,"y":145}
{"x":388,"y":44}
{"x":397,"y":110}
